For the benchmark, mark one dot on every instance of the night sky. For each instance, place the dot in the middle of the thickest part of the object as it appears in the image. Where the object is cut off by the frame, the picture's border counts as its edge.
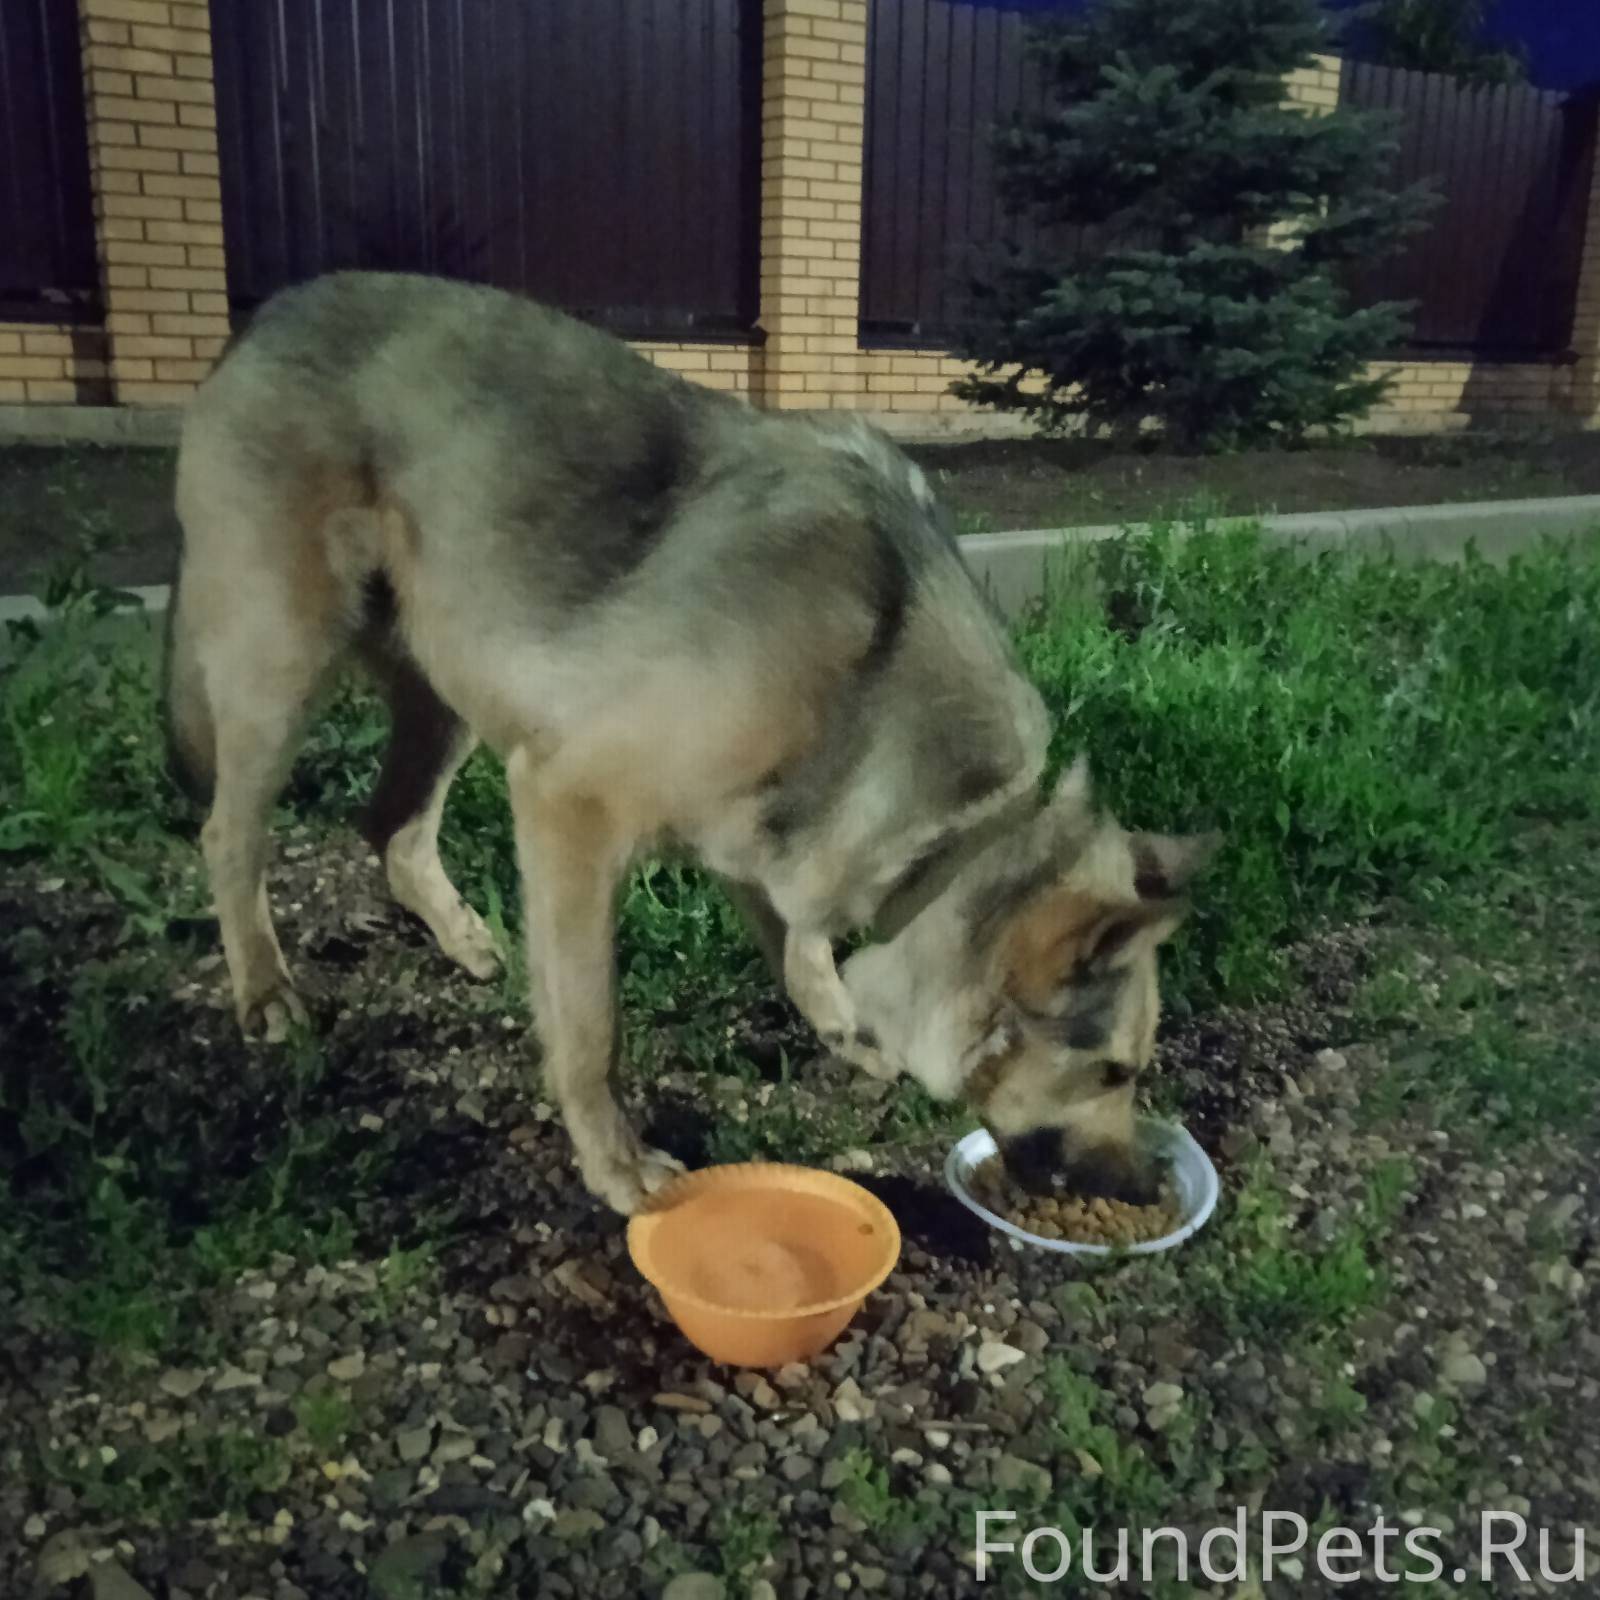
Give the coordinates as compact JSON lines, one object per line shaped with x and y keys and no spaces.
{"x":1561,"y":37}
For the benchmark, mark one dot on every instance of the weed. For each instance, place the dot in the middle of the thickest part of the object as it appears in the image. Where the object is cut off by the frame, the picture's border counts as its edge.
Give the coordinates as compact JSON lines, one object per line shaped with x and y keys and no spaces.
{"x":866,"y":1490}
{"x":1114,"y":1476}
{"x":182,"y":1478}
{"x":744,"y":1537}
{"x":403,"y":1271}
{"x":1271,"y":1282}
{"x":327,"y":1416}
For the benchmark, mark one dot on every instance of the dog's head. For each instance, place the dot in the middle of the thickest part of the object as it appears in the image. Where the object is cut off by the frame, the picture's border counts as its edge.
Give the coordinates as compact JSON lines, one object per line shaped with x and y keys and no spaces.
{"x":1030,"y":988}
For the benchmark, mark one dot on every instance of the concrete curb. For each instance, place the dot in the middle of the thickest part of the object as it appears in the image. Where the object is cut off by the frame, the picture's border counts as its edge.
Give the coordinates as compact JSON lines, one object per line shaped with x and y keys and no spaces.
{"x":1015,"y":566}
{"x":18,"y":607}
{"x":111,"y":425}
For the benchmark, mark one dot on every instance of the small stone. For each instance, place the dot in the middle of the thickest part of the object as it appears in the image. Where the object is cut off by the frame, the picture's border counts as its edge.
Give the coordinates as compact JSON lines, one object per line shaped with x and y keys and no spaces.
{"x":613,"y":1433}
{"x":1464,"y":1369}
{"x":1160,"y":1395}
{"x":181,"y":1382}
{"x":694,"y":1586}
{"x":389,"y":1488}
{"x":1017,"y":1476}
{"x":454,"y":1447}
{"x":761,"y":1590}
{"x":408,"y":1566}
{"x":235,"y":1378}
{"x":62,"y":1558}
{"x":938,"y":1474}
{"x":994,"y":1356}
{"x":582,"y":1281}
{"x":412,"y":1444}
{"x":853,"y":1161}
{"x":579,"y":1524}
{"x":346,"y":1369}
{"x":518,"y":1289}
{"x":849,"y":1404}
{"x":691,"y":1403}
{"x":33,"y":1529}
{"x":112,"y":1582}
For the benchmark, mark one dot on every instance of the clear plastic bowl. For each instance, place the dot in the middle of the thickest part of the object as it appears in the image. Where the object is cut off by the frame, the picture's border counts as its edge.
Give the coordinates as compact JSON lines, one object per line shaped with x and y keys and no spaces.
{"x":1193,"y":1179}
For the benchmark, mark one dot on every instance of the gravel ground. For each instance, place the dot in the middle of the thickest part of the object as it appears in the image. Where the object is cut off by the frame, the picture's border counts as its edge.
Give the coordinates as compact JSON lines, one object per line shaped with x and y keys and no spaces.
{"x":1389,"y":1313}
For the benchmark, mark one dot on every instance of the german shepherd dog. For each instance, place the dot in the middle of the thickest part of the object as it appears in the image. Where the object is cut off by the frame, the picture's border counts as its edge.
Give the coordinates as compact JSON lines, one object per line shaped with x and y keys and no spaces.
{"x":679,"y":622}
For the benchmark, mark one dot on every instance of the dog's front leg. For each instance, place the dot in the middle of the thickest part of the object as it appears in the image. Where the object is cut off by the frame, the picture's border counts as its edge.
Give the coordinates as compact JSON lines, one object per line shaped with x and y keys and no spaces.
{"x":814,"y":985}
{"x":572,"y":858}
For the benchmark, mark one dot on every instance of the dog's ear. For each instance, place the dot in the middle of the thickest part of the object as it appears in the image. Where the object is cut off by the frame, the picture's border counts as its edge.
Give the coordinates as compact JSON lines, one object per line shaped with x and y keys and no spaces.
{"x":1064,"y":936}
{"x":1164,"y":864}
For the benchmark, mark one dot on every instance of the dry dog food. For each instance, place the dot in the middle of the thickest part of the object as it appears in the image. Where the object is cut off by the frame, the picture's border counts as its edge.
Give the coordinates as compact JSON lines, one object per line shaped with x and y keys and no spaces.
{"x":1071,"y":1217}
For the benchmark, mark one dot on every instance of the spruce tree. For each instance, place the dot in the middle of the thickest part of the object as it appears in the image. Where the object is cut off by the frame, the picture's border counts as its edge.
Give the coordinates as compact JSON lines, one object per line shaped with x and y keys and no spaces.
{"x":1191,"y":227}
{"x":1436,"y":36}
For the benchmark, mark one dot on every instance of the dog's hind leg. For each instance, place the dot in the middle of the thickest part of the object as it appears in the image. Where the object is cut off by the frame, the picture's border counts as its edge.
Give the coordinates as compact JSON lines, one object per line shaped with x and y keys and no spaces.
{"x":426,"y":750}
{"x":264,"y":654}
{"x":762,"y":921}
{"x":572,"y":855}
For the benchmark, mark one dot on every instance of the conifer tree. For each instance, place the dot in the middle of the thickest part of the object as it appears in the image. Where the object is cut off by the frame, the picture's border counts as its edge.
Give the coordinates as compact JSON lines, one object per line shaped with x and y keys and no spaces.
{"x":1190,"y":228}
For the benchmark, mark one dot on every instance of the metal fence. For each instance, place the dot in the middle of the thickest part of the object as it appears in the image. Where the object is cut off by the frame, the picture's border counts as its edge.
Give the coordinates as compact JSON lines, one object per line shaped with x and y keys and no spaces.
{"x":601,"y":155}
{"x":1495,"y":273}
{"x":47,"y":252}
{"x":939,"y":77}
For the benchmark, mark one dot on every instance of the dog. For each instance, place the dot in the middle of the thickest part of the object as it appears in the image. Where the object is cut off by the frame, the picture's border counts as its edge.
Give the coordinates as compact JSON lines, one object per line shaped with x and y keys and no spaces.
{"x":679,"y":621}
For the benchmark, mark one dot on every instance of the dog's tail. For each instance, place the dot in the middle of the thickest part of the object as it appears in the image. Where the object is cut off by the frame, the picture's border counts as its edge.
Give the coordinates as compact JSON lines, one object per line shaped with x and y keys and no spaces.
{"x":191,"y":732}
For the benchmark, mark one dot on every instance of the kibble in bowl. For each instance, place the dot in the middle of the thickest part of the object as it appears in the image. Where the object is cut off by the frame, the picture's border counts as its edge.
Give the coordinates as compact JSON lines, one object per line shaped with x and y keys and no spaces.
{"x":1113,"y":1223}
{"x":1076,"y":1225}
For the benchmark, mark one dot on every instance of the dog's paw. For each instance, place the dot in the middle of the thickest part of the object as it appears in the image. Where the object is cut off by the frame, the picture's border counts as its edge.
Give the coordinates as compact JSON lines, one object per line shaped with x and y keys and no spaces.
{"x":626,"y":1181}
{"x":270,"y":1017}
{"x":860,"y":1048}
{"x":469,"y":944}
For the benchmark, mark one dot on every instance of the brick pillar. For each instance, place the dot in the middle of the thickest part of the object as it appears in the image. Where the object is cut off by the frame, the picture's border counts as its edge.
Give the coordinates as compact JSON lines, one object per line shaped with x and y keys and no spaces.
{"x":1315,"y":87}
{"x":157,"y":194}
{"x":1581,"y":390}
{"x":812,"y":125}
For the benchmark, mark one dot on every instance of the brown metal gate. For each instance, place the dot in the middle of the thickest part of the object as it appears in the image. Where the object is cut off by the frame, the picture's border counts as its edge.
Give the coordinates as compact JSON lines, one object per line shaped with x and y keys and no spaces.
{"x":1495,"y":273}
{"x":939,"y":77}
{"x":48,"y":267}
{"x":600,"y":155}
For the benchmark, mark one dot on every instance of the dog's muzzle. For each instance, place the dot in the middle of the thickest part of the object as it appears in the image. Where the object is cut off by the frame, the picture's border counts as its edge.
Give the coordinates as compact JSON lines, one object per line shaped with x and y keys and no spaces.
{"x":1042,"y":1163}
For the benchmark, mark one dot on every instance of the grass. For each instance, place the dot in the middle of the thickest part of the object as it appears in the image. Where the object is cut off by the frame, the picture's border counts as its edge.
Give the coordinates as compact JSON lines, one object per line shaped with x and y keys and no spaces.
{"x":1357,"y":729}
{"x":178,"y":1480}
{"x":1420,"y":740}
{"x":1265,"y":1282}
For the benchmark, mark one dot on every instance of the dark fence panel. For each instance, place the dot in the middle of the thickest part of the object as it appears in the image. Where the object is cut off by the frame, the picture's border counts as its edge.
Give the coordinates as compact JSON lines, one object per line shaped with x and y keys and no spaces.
{"x":1495,"y":273}
{"x":47,"y":252}
{"x":600,"y":155}
{"x":939,"y":77}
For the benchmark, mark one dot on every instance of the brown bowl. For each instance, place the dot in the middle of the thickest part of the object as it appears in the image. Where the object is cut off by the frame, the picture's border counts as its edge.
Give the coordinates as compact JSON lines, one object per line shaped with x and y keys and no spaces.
{"x":760,"y":1263}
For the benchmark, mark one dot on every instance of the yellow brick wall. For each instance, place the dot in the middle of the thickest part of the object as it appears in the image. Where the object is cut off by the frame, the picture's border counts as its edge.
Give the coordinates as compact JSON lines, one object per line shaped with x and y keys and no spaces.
{"x":1315,"y":87}
{"x":158,"y":197}
{"x":717,"y":366}
{"x":1584,"y":378}
{"x":153,"y":153}
{"x":44,"y":363}
{"x":812,"y":125}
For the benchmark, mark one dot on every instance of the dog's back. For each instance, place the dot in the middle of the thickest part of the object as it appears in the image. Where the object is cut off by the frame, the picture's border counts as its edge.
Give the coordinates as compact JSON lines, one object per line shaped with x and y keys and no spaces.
{"x":741,"y":623}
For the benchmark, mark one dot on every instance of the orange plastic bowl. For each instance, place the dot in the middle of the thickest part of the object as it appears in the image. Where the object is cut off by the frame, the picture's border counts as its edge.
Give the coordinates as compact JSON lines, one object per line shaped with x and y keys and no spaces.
{"x":760,"y":1263}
